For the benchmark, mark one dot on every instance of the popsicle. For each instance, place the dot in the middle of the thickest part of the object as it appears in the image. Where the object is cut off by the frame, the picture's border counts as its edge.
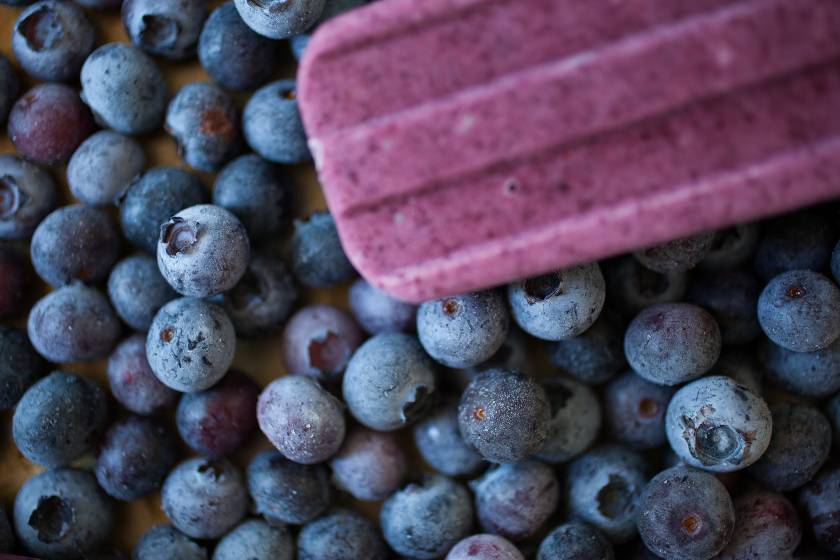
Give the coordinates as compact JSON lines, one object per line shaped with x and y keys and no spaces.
{"x":462,"y":144}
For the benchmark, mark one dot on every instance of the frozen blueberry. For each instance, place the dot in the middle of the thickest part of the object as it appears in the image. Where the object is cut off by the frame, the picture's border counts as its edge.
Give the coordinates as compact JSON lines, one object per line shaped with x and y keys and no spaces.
{"x":718,"y":424}
{"x":137,"y":291}
{"x":20,"y":366}
{"x":677,"y":255}
{"x":62,"y":514}
{"x":27,"y":195}
{"x":103,"y":167}
{"x":124,"y":88}
{"x":635,"y":411}
{"x":731,"y":297}
{"x":190,"y":344}
{"x":377,"y":312}
{"x":484,"y":546}
{"x":166,"y":28}
{"x":287,"y":492}
{"x":9,"y":87}
{"x":575,"y":541}
{"x":75,"y":243}
{"x":165,"y":542}
{"x":672,"y":343}
{"x":280,"y":19}
{"x":595,"y":355}
{"x":464,"y":330}
{"x":316,"y":256}
{"x":341,"y":536}
{"x":204,"y":121}
{"x":255,"y":540}
{"x":389,"y":382}
{"x":818,"y":502}
{"x":132,"y":381}
{"x":369,"y":465}
{"x":233,"y":54}
{"x":631,"y":287}
{"x":271,"y":121}
{"x":740,"y":364}
{"x":218,"y":420}
{"x":575,"y":419}
{"x":766,"y":526}
{"x":685,"y":514}
{"x":135,"y":455}
{"x":515,"y":353}
{"x":807,"y":374}
{"x":801,"y":240}
{"x":257,"y":192}
{"x":800,"y":310}
{"x":204,"y":499}
{"x":159,"y":194}
{"x":301,"y":419}
{"x":7,"y":536}
{"x":732,"y":247}
{"x":203,"y":251}
{"x":425,"y":519}
{"x":560,"y":304}
{"x":75,"y":323}
{"x":332,"y":8}
{"x":439,"y":441}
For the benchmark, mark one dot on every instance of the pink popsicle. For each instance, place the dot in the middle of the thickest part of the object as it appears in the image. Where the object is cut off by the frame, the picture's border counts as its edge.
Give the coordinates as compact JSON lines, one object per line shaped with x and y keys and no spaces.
{"x":467,"y":143}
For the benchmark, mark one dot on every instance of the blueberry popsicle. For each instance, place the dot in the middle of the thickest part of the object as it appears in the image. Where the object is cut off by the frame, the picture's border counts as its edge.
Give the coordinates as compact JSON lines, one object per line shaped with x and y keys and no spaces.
{"x":462,"y":144}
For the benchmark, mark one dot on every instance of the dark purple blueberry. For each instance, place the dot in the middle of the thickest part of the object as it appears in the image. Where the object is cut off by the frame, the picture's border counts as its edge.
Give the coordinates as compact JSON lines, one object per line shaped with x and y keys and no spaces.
{"x":190,"y":344}
{"x":256,"y":540}
{"x":484,"y":547}
{"x":631,"y":287}
{"x":685,"y":514}
{"x":440,"y":443}
{"x":369,"y":465}
{"x":233,"y":54}
{"x":504,"y":415}
{"x":301,"y":419}
{"x":732,"y":248}
{"x":575,"y":541}
{"x":217,"y":421}
{"x":132,"y":381}
{"x":635,"y":411}
{"x":377,"y":312}
{"x":14,"y":280}
{"x":51,"y":40}
{"x":672,"y":343}
{"x":818,"y":502}
{"x":75,"y":243}
{"x":277,"y":19}
{"x":204,"y":498}
{"x":718,"y":424}
{"x":49,"y":122}
{"x":732,"y":299}
{"x":559,"y":304}
{"x":576,"y":418}
{"x":766,"y":526}
{"x":27,"y":195}
{"x":345,"y":535}
{"x":20,"y":366}
{"x":806,"y":374}
{"x":138,"y":291}
{"x":165,"y":542}
{"x":103,"y":167}
{"x":75,"y":323}
{"x":203,"y":251}
{"x":677,"y":255}
{"x":595,"y":355}
{"x":316,"y":256}
{"x":271,"y":121}
{"x":389,"y":382}
{"x":124,"y":88}
{"x":425,"y":519}
{"x":159,"y":194}
{"x":165,"y":28}
{"x":801,"y":240}
{"x":800,"y":310}
{"x":135,"y":455}
{"x":740,"y":364}
{"x":62,"y":514}
{"x":287,"y":492}
{"x":7,"y":535}
{"x":9,"y":87}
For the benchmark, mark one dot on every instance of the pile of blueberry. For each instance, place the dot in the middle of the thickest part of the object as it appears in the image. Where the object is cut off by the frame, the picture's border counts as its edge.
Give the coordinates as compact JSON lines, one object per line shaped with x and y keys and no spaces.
{"x":675,"y":403}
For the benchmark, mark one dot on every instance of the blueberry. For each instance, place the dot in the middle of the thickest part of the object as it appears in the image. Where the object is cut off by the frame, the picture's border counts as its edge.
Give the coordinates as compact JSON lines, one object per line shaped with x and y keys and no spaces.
{"x":672,"y":343}
{"x":807,"y":374}
{"x":7,"y":536}
{"x":203,"y":251}
{"x":75,"y":323}
{"x":389,"y":382}
{"x":677,"y":255}
{"x":132,"y":381}
{"x":165,"y":542}
{"x":732,"y":247}
{"x":255,"y":540}
{"x":233,"y":54}
{"x":280,"y":19}
{"x":332,"y":8}
{"x":740,"y":364}
{"x":271,"y":120}
{"x":731,"y":297}
{"x":560,"y":304}
{"x":217,"y":421}
{"x":62,"y":514}
{"x":75,"y":243}
{"x":51,"y":40}
{"x":575,"y":541}
{"x":257,"y":192}
{"x":20,"y":366}
{"x":800,"y":310}
{"x":635,"y":411}
{"x":103,"y":167}
{"x":595,"y":355}
{"x":369,"y":465}
{"x":14,"y":280}
{"x":341,"y":536}
{"x":818,"y":502}
{"x":159,"y":194}
{"x":834,"y":264}
{"x":832,"y":411}
{"x":631,"y":287}
{"x":575,"y":419}
{"x":27,"y":195}
{"x":287,"y":492}
{"x":165,"y":28}
{"x":464,"y":330}
{"x":203,"y":498}
{"x":9,"y":87}
{"x":425,"y":519}
{"x":718,"y":424}
{"x":685,"y":514}
{"x":204,"y":121}
{"x":316,"y":256}
{"x":439,"y":441}
{"x":766,"y":526}
{"x":190,"y":344}
{"x":377,"y":312}
{"x":124,"y":88}
{"x":137,"y":291}
{"x":135,"y":456}
{"x":484,"y":547}
{"x":302,"y":420}
{"x":802,"y":240}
